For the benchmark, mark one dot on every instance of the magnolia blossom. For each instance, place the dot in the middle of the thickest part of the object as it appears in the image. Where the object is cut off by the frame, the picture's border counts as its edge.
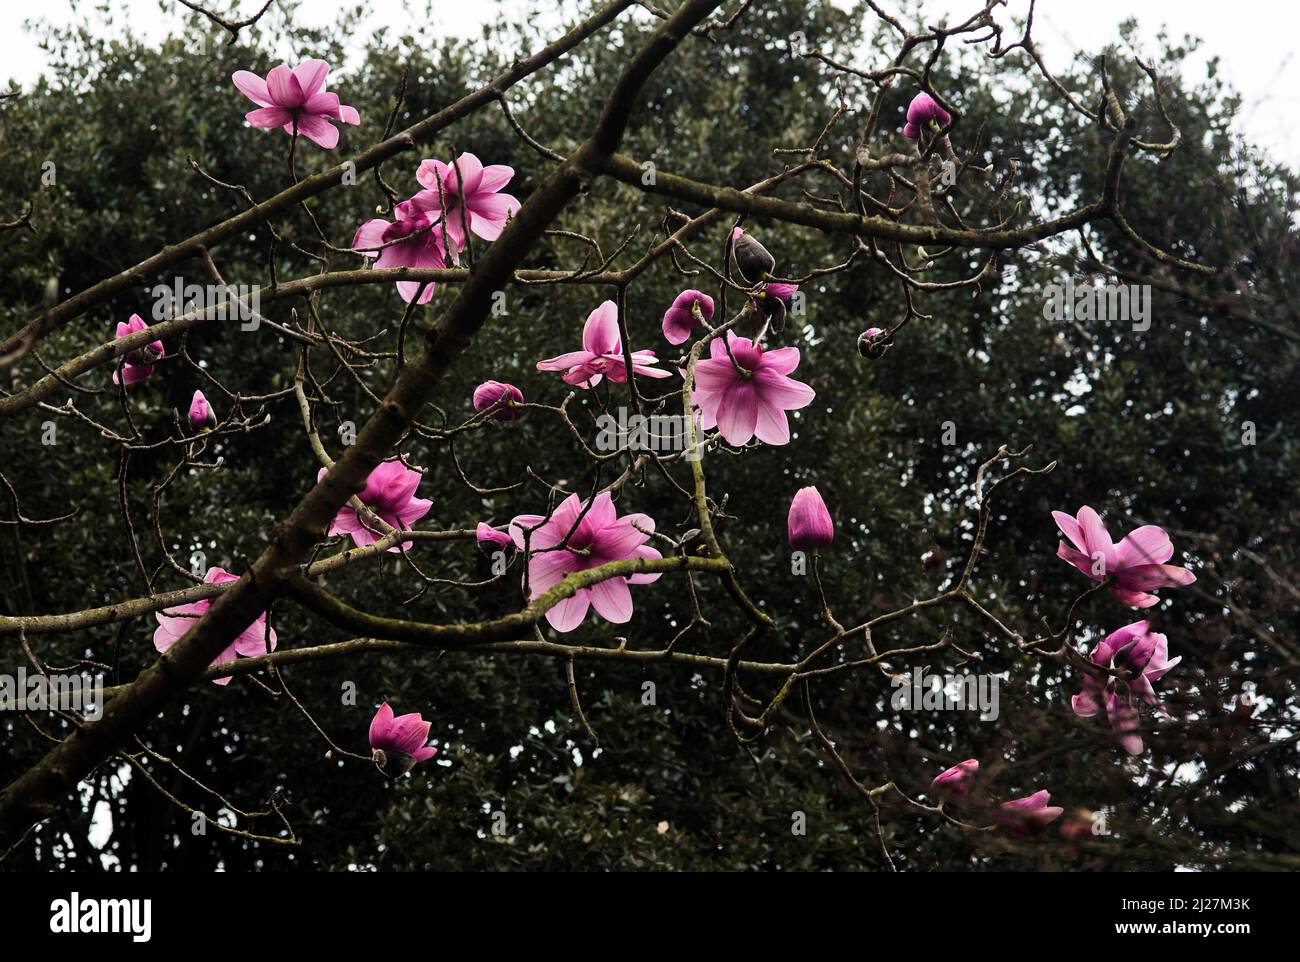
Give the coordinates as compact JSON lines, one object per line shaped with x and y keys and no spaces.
{"x":490,"y":539}
{"x":390,"y":494}
{"x":689,"y":309}
{"x":1137,"y":562}
{"x":474,"y":196}
{"x":1028,"y":816}
{"x":749,"y":401}
{"x":872,"y":343}
{"x":397,"y":744}
{"x":201,"y":415}
{"x":601,"y":354}
{"x":140,"y":362}
{"x":809,"y":526}
{"x":412,"y":240}
{"x":173,"y":623}
{"x":1140,"y":657}
{"x":752,"y":258}
{"x":599,"y":538}
{"x":496,"y":392}
{"x":922,"y":110}
{"x":296,"y":99}
{"x":956,"y":782}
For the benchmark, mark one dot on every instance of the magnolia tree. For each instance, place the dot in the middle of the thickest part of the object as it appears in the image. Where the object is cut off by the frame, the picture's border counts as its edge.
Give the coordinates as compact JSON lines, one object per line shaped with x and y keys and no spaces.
{"x":632,"y":555}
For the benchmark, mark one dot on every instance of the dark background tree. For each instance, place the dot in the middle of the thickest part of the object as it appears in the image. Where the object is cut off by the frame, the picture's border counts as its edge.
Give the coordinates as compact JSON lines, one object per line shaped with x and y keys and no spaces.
{"x":1147,"y":427}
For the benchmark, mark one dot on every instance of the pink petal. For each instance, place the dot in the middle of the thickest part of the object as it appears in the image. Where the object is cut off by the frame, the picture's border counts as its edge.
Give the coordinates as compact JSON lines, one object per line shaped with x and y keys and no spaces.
{"x":253,"y":87}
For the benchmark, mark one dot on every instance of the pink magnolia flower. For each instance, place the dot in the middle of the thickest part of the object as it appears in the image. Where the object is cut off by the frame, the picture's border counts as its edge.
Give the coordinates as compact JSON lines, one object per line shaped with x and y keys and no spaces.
{"x":601,"y":354}
{"x":1028,"y":816}
{"x":809,"y":526}
{"x":478,"y":188}
{"x":298,"y":96}
{"x":491,"y":392}
{"x":751,"y":401}
{"x":173,"y":623}
{"x":389,"y":493}
{"x":139,"y":363}
{"x":397,"y":744}
{"x":1141,"y":657}
{"x":201,"y":415}
{"x":921,"y":111}
{"x":1137,"y":562}
{"x":956,"y":782}
{"x":599,"y":538}
{"x":412,"y":240}
{"x":490,"y":539}
{"x":680,"y":319}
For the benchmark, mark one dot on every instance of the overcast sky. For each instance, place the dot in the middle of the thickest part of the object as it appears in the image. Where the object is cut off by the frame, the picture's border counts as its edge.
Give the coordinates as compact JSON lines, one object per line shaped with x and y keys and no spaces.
{"x":1255,"y":39}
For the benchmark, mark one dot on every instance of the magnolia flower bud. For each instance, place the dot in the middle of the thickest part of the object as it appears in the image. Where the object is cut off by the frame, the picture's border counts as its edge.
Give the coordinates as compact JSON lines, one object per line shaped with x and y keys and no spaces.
{"x":955,"y":782}
{"x":506,"y":398}
{"x":201,"y":415}
{"x":873,"y":343}
{"x":809,"y":525}
{"x":752,"y":258}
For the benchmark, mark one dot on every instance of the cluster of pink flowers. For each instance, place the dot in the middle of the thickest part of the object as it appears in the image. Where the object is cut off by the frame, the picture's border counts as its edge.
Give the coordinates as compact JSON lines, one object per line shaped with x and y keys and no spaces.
{"x":1133,"y":657}
{"x":1019,"y":817}
{"x":173,"y":623}
{"x":458,"y":199}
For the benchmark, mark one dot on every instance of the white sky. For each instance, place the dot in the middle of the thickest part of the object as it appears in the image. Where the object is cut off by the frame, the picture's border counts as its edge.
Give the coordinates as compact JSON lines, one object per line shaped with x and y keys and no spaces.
{"x":1256,"y":39}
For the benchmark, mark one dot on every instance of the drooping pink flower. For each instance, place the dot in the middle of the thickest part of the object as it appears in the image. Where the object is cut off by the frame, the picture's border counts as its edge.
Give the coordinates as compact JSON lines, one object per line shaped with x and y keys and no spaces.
{"x":956,"y":782}
{"x":599,"y":538}
{"x":771,"y":299}
{"x":201,"y":414}
{"x":809,"y":525}
{"x":298,"y":96}
{"x":477,"y":188}
{"x":680,"y":319}
{"x":490,"y":539}
{"x":1137,"y":562}
{"x":921,"y":111}
{"x":493,"y":392}
{"x":390,"y":494}
{"x":601,"y":354}
{"x":139,"y":363}
{"x":173,"y":623}
{"x":751,"y":401}
{"x":1028,"y":816}
{"x":412,"y":240}
{"x":1141,"y":657}
{"x":398,"y":744}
